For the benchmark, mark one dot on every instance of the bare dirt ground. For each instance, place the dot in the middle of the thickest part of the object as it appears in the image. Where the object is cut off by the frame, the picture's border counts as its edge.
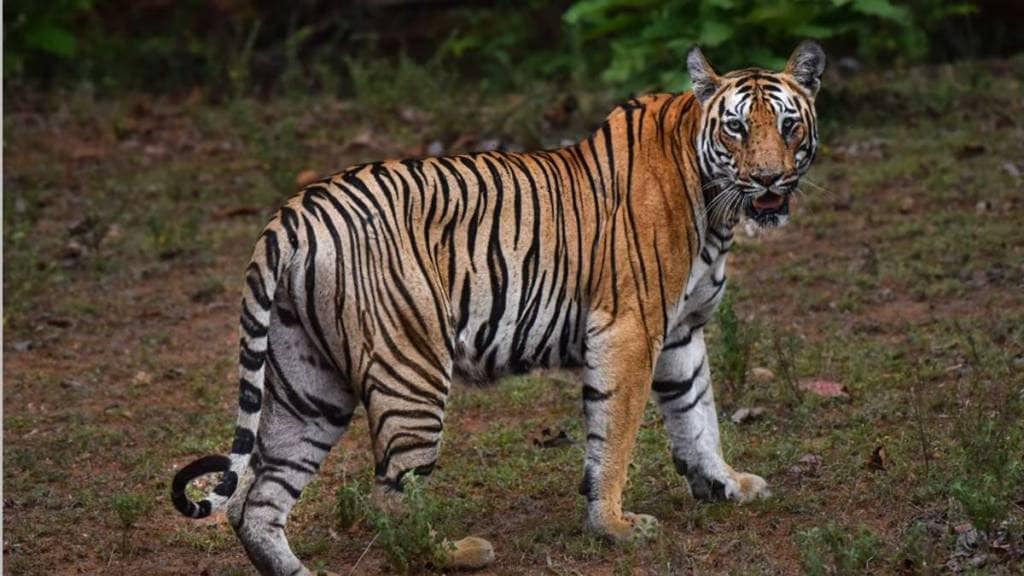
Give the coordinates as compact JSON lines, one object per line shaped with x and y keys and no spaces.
{"x":127,"y":224}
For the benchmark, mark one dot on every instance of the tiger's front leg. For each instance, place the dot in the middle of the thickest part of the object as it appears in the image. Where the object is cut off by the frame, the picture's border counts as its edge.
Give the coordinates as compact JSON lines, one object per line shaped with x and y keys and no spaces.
{"x":616,"y":385}
{"x":682,"y":387}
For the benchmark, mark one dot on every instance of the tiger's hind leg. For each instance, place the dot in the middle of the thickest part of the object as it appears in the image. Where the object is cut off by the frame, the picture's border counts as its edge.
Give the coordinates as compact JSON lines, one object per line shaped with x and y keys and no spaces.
{"x":405,"y":392}
{"x":308,"y":407}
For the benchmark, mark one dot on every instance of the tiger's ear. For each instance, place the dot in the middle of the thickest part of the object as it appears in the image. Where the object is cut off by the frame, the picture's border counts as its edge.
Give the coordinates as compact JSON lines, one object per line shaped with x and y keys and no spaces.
{"x":702,"y":75}
{"x":806,"y":65}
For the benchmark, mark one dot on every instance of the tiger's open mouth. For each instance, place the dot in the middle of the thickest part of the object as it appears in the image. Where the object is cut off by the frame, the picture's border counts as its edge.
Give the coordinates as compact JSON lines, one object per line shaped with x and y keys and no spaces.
{"x":768,"y":201}
{"x":768,"y":209}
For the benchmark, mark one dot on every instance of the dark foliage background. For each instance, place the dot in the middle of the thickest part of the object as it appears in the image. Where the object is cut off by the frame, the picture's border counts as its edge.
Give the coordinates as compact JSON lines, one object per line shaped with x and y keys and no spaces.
{"x":261,"y":47}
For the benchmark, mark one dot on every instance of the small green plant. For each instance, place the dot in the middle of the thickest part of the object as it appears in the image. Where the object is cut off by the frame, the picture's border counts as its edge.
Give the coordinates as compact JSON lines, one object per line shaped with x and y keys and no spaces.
{"x":409,"y":540}
{"x":990,"y":472}
{"x":129,"y":509}
{"x":350,"y":504}
{"x":736,"y":345}
{"x":170,"y":234}
{"x":988,"y":466}
{"x":785,"y":349}
{"x":831,"y":550}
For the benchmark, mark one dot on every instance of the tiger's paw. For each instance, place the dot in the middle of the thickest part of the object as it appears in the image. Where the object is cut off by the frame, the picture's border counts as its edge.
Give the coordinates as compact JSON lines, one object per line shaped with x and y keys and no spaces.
{"x":629,"y":529}
{"x":749,"y":487}
{"x":470,"y":553}
{"x":738,"y":487}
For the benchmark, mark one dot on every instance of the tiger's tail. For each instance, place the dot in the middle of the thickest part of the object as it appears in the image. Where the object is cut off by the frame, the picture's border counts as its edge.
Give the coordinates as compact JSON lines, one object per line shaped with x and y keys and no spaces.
{"x":271,"y":258}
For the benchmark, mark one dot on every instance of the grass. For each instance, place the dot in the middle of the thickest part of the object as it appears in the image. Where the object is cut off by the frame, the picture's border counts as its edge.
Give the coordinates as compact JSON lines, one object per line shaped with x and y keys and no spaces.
{"x":737,"y":340}
{"x":833,"y":550}
{"x":914,"y":308}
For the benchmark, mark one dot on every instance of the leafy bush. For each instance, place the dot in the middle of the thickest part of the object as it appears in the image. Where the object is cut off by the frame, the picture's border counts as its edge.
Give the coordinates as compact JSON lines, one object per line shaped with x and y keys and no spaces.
{"x":248,"y":46}
{"x":37,"y":31}
{"x":642,"y":44}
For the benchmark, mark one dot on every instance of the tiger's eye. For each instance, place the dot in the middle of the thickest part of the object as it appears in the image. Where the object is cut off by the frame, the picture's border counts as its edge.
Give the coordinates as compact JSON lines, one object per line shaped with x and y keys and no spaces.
{"x":735,"y":126}
{"x":787,"y":125}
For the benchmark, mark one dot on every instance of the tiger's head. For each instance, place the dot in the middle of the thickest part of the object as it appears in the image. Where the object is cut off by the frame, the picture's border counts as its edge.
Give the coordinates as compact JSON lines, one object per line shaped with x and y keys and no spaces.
{"x":758,"y":134}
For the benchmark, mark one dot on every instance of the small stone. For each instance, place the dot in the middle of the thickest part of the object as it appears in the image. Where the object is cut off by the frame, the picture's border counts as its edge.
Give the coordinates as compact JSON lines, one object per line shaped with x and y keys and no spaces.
{"x":747,"y":415}
{"x":848,"y":65}
{"x":142,"y":377}
{"x":72,"y":384}
{"x":73,"y":250}
{"x":489,"y":145}
{"x":113,"y":234}
{"x":1011,"y":169}
{"x":23,"y":345}
{"x":906,"y":206}
{"x":435,"y":148}
{"x":175,"y":373}
{"x":413,"y":115}
{"x":761,"y":375}
{"x":807,"y":465}
{"x":983,"y":206}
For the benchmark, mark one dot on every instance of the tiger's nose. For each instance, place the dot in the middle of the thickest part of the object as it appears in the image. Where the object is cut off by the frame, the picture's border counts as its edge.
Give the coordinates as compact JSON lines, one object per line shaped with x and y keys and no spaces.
{"x":766,"y":178}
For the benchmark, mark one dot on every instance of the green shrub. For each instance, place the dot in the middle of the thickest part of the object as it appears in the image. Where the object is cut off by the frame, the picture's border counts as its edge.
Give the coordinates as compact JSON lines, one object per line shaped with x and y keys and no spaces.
{"x":989,"y":471}
{"x":410,"y":542}
{"x":39,"y":32}
{"x":642,"y":44}
{"x":129,"y":509}
{"x":350,"y":505}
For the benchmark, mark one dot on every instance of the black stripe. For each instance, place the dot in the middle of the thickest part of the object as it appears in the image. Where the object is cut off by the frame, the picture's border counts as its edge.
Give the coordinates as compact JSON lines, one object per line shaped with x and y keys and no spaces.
{"x":291,"y":490}
{"x":669,"y":390}
{"x":692,"y":405}
{"x":250,"y":398}
{"x":591,"y":394}
{"x":244,"y":441}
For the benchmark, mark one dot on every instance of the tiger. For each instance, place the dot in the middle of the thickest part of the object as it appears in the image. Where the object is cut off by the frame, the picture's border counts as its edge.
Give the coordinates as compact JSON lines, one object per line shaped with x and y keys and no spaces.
{"x":379,"y":285}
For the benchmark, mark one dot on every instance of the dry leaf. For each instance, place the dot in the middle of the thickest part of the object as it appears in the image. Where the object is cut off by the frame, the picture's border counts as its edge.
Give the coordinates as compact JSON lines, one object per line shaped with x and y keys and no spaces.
{"x":879,"y":458}
{"x":306,"y":177}
{"x":551,"y":439}
{"x":236,"y":211}
{"x":824,"y":388}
